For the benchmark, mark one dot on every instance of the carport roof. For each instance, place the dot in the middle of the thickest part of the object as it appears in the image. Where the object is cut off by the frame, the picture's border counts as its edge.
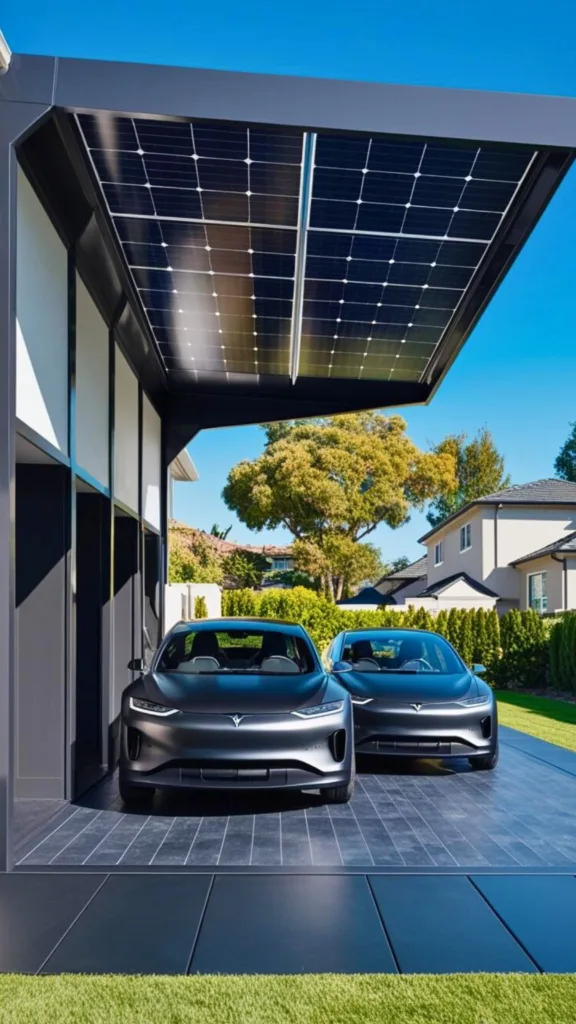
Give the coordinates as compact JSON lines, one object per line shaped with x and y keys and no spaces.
{"x":269,"y":247}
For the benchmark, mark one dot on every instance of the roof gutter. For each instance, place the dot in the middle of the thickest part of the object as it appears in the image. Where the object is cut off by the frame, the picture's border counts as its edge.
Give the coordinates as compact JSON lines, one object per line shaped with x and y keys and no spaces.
{"x":496,"y":511}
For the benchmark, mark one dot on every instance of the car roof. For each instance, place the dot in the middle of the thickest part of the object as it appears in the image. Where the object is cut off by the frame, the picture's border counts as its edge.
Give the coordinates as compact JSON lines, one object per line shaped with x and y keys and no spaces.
{"x":389,"y":629}
{"x":264,"y":625}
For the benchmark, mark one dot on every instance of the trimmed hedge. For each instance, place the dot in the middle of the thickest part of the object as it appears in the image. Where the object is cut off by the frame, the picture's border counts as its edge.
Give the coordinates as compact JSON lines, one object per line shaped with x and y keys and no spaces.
{"x":515,"y":649}
{"x":563,"y":652}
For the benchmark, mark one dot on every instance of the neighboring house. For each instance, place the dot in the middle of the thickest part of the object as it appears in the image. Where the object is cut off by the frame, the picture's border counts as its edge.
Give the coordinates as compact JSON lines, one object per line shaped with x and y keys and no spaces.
{"x":280,"y":558}
{"x":512,"y":549}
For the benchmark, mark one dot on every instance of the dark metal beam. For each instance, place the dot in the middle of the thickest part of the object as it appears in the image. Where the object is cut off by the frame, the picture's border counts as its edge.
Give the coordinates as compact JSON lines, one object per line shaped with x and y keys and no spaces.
{"x":315,"y":103}
{"x":15,"y":120}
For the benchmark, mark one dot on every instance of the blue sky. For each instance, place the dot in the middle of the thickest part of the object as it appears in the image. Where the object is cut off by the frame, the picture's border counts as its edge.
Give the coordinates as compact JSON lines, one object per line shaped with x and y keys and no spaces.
{"x":517,"y":372}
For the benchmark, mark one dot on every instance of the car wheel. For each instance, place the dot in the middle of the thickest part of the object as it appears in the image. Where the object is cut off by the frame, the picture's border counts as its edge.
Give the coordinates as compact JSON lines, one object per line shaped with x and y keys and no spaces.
{"x":339,"y":794}
{"x":134,"y":796}
{"x":484,"y":764}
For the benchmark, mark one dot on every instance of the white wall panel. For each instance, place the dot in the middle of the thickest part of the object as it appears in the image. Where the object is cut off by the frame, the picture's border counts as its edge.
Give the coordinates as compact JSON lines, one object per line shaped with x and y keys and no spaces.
{"x":92,"y":387}
{"x":41,"y":321}
{"x":125,"y":434}
{"x":151,"y":464}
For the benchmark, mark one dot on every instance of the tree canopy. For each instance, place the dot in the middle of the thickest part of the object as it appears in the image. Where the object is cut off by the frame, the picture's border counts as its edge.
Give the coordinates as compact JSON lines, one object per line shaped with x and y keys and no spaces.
{"x":565,"y":463}
{"x":331,"y":482}
{"x":479,"y":471}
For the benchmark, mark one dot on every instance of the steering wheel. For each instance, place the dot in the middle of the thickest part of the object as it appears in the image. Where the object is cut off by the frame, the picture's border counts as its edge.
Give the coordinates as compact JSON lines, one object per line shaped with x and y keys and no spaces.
{"x":418,"y":661}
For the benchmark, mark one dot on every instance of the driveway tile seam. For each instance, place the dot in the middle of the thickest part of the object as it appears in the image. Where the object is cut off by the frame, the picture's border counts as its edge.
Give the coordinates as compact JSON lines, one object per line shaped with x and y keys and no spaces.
{"x":74,"y":922}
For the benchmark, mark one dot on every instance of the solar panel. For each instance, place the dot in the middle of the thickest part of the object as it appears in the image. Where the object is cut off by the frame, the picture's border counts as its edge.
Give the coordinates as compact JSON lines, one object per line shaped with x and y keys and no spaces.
{"x":396,"y":232}
{"x":206,"y":216}
{"x":216,"y":227}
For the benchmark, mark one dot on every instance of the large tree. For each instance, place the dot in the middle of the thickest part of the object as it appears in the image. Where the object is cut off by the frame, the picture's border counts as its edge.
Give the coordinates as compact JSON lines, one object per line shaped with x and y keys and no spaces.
{"x":479,"y":471}
{"x":331,"y":482}
{"x":565,"y":464}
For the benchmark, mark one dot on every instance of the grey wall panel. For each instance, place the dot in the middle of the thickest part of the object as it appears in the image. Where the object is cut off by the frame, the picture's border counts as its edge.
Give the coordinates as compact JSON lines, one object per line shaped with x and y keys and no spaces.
{"x":126,"y":441}
{"x":151,"y":463}
{"x":92,"y":385}
{"x":41,"y":321}
{"x":41,"y":552}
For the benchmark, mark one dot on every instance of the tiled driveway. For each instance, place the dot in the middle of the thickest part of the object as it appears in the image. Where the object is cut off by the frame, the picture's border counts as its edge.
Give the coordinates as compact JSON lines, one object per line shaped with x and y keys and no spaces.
{"x":523,"y":815}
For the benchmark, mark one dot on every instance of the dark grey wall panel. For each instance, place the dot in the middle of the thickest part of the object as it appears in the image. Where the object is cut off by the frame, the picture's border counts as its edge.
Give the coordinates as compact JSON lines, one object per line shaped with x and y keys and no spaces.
{"x":125,"y":573}
{"x":42,"y":543}
{"x":137,"y":924}
{"x":441,"y":925}
{"x":286,"y":924}
{"x":541,"y":911}
{"x":152,"y":586}
{"x":35,"y":911}
{"x":125,"y":617}
{"x":92,"y":585}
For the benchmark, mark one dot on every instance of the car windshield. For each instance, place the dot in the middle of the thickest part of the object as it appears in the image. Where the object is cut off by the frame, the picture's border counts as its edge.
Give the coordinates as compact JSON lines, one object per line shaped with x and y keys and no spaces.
{"x":266,"y":652}
{"x":400,"y":651}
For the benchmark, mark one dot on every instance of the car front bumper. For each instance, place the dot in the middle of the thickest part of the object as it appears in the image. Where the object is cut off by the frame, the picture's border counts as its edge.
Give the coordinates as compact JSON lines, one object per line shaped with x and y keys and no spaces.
{"x":437,"y":731}
{"x":208,"y":751}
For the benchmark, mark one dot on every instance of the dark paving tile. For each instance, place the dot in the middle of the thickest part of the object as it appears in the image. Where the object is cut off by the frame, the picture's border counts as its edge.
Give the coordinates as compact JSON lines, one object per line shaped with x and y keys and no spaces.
{"x":136,"y":924}
{"x":290,"y":924}
{"x":540,"y":910}
{"x":416,"y":814}
{"x":441,"y":925}
{"x":30,"y":816}
{"x":35,"y":911}
{"x":323,"y":841}
{"x":205,"y":849}
{"x":177,"y":843}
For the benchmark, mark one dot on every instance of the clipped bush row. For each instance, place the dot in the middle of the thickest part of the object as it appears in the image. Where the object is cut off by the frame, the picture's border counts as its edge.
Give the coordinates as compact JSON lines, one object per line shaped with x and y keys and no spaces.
{"x":514,"y":648}
{"x":563,"y":652}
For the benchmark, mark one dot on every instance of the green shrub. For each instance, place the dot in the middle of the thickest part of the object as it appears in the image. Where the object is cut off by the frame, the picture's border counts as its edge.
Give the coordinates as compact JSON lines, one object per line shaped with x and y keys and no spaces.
{"x":200,"y":608}
{"x":563,"y":653}
{"x":525,"y":650}
{"x":514,"y":649}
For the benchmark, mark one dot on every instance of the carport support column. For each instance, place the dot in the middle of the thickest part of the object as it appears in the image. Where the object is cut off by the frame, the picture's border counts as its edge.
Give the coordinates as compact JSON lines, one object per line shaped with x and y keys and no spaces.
{"x":15,"y":120}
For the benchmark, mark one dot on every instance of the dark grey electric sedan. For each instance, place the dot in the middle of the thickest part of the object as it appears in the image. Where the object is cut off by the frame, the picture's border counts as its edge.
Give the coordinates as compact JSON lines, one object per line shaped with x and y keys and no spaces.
{"x":413,"y":696}
{"x":236,"y":704}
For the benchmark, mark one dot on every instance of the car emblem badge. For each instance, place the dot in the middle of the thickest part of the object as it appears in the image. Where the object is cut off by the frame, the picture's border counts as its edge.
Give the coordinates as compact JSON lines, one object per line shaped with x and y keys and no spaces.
{"x":236,"y":719}
{"x":416,"y":707}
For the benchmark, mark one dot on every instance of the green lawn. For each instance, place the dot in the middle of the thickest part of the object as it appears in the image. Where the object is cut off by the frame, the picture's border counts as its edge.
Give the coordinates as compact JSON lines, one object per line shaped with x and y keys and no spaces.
{"x":308,"y":999}
{"x":551,"y":720}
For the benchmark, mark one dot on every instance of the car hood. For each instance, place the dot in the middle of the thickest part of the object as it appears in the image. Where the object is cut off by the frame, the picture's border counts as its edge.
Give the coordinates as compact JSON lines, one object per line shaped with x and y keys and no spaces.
{"x":421,"y":687}
{"x":227,"y":693}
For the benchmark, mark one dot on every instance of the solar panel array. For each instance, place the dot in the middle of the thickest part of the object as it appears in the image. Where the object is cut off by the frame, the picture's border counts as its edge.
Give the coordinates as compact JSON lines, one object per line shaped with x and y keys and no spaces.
{"x":208,"y":217}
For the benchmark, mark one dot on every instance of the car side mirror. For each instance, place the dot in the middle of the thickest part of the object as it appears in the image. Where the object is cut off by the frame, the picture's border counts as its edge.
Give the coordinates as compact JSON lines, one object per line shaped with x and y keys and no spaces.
{"x":341,"y":666}
{"x":478,"y":669}
{"x":136,"y":665}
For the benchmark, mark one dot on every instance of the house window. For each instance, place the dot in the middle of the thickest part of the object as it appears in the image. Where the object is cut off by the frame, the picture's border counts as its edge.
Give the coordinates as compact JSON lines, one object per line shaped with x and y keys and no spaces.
{"x":465,"y":537}
{"x":439,"y":553}
{"x":538,"y":591}
{"x":281,"y":563}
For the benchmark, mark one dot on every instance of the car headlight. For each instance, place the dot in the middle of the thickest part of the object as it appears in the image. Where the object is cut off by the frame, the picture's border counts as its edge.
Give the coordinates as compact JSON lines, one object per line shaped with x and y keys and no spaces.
{"x":150,"y":708}
{"x":320,"y":709}
{"x":362,"y":700}
{"x":474,"y":702}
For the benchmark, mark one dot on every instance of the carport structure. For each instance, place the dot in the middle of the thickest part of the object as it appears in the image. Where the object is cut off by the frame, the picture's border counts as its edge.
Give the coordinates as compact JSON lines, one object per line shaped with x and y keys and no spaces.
{"x":187,"y":249}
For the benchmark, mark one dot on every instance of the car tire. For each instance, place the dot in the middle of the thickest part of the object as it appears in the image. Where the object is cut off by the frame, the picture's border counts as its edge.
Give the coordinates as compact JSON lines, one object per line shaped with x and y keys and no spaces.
{"x":485,"y":763}
{"x":134,"y":796}
{"x":339,"y":794}
{"x":342,"y":794}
